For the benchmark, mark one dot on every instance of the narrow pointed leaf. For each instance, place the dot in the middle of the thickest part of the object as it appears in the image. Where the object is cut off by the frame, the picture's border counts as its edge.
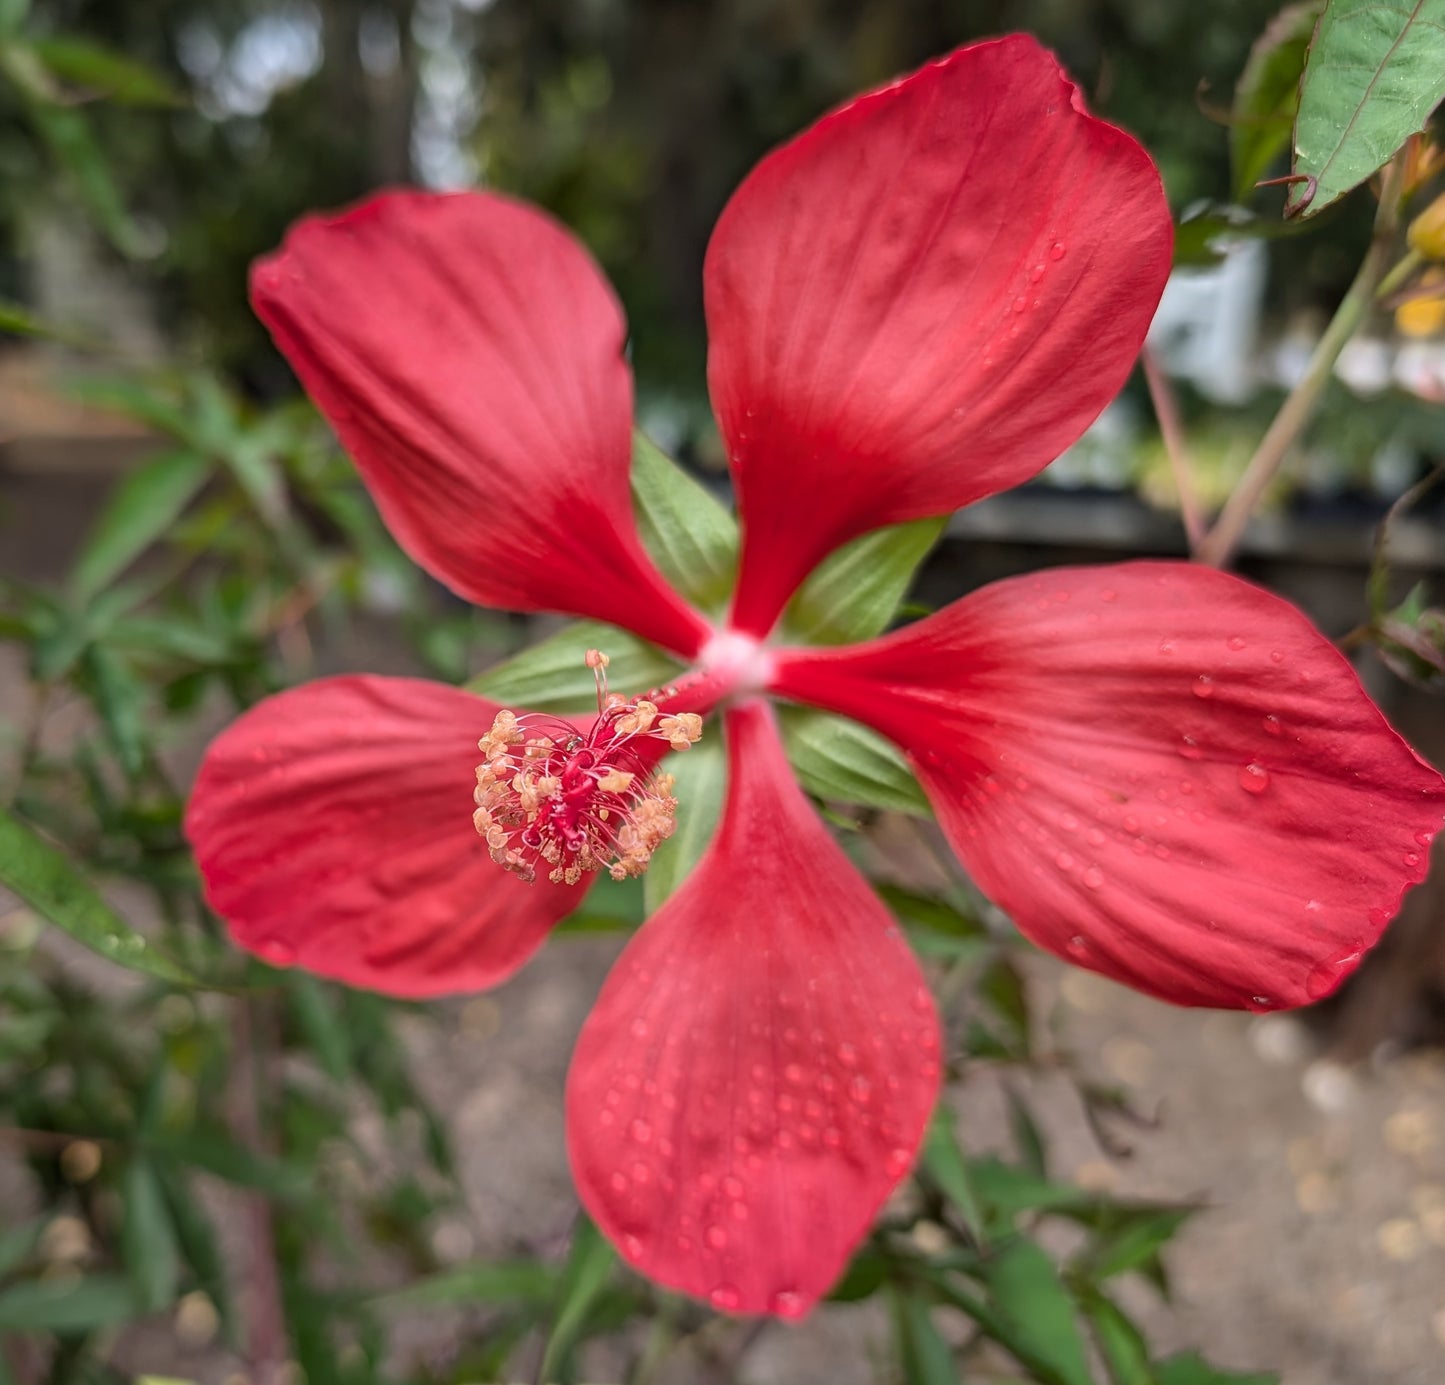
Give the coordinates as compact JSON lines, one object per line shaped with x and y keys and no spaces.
{"x":1038,"y":1311}
{"x":1375,"y":72}
{"x":691,"y":535}
{"x":552,"y":676}
{"x":46,"y":879}
{"x":1266,"y":96}
{"x":924,"y":1355}
{"x":106,"y":74}
{"x":589,"y":1266}
{"x":148,"y":1237}
{"x":1120,"y":1343}
{"x":843,"y":761}
{"x":854,"y":593}
{"x":944,"y":1162}
{"x":701,"y":775}
{"x":143,"y":508}
{"x":100,"y":1300}
{"x":1191,"y":1369}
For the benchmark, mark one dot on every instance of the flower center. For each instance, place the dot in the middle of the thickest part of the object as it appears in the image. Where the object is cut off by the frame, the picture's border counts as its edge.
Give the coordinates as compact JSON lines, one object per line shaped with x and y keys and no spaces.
{"x":744,"y":664}
{"x":550,"y":796}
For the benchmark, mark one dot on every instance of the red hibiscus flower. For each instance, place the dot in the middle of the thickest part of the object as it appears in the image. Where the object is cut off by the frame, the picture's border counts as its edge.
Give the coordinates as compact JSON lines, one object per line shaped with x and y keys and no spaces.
{"x":1159,"y":771}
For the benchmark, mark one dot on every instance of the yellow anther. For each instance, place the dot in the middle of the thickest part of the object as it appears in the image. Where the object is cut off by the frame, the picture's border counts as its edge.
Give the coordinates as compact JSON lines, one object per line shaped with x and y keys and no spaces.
{"x":615,"y":780}
{"x":639,"y":720}
{"x":682,"y":730}
{"x":597,"y":659}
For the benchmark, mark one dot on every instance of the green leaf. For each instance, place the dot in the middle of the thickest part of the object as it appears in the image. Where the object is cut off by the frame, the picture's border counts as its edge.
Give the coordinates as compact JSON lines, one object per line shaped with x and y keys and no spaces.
{"x":945,"y":1164}
{"x":1266,"y":96}
{"x":1120,"y":1343}
{"x":12,"y":15}
{"x":68,"y":135}
{"x":488,"y":1281}
{"x":1375,"y":71}
{"x":199,"y":1246}
{"x":319,"y":1020}
{"x":854,"y":593}
{"x":924,"y":1355}
{"x":120,"y":700}
{"x":936,"y":928}
{"x":1007,"y":1191}
{"x":225,"y":1159}
{"x":18,"y":1243}
{"x":68,"y":1306}
{"x":106,"y":74}
{"x":47,"y":880}
{"x":553,"y":676}
{"x":1036,"y":1311}
{"x":1192,"y":1369}
{"x":1134,"y":1243}
{"x":143,"y":508}
{"x":589,"y":1266}
{"x":691,"y":535}
{"x":22,"y":322}
{"x":611,"y":906}
{"x":701,"y":774}
{"x":843,"y":761}
{"x":148,"y":1238}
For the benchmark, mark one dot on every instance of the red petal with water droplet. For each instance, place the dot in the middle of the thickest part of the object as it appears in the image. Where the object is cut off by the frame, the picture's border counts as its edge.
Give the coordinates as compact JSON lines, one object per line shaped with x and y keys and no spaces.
{"x":922,"y":300}
{"x":1159,"y":771}
{"x":469,"y":355}
{"x":333,"y":827}
{"x":758,"y":1071}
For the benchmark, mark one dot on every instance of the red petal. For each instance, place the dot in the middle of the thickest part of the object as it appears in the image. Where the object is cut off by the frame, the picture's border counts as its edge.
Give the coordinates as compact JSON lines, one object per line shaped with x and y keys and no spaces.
{"x":469,"y":355}
{"x":923,"y":299}
{"x":757,"y":1074}
{"x":1161,"y":772}
{"x":333,"y":826}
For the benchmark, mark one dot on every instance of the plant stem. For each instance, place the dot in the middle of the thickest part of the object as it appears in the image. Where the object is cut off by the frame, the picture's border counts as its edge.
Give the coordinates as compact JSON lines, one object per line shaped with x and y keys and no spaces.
{"x":1166,"y":410}
{"x":1217,"y":546}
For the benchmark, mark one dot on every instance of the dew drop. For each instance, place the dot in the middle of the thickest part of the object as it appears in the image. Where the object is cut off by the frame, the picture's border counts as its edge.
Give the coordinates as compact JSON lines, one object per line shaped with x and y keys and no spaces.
{"x":898,"y":1162}
{"x":1064,"y":861}
{"x":1412,"y":858}
{"x":1423,"y":838}
{"x":1021,"y":304}
{"x":1253,"y":778}
{"x":1094,"y":837}
{"x":1235,"y":642}
{"x":1272,"y":726}
{"x":860,"y":1089}
{"x":618,"y":1182}
{"x":1161,"y":851}
{"x":1276,"y":656}
{"x":724,"y":1298}
{"x":640,"y":1028}
{"x":1108,"y":594}
{"x":1056,"y":250}
{"x":1078,"y":944}
{"x":1166,"y":646}
{"x":1131,"y":824}
{"x":632,"y":1247}
{"x":640,"y":1131}
{"x":716,"y":1237}
{"x":1189,"y":748}
{"x":1260,"y":1002}
{"x":1203,"y":686}
{"x":276,"y":953}
{"x":847,"y":1055}
{"x":787,"y":1303}
{"x":732,"y":1186}
{"x":1093,"y":877}
{"x":739,"y":1211}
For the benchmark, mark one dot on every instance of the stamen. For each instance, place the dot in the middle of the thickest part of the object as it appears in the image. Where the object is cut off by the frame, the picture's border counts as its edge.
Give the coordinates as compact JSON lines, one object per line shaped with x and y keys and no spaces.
{"x":550,"y":798}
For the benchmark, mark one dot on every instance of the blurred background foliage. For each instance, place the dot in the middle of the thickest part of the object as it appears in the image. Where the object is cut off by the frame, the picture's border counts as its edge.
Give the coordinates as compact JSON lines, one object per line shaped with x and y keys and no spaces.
{"x":241,"y":1156}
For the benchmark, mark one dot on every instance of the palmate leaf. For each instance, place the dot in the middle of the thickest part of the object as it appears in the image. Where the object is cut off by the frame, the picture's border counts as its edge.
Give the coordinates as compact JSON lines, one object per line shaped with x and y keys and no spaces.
{"x":1375,"y":71}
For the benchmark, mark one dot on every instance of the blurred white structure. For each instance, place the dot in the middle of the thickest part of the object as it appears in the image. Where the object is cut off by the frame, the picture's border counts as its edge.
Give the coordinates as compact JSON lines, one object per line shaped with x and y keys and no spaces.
{"x":1207,"y":324}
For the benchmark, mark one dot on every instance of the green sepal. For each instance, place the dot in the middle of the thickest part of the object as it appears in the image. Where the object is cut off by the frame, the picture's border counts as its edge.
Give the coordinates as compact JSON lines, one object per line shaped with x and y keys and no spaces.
{"x":701,"y":774}
{"x":553,"y":676}
{"x":843,"y":761}
{"x":691,"y":535}
{"x":854,"y":593}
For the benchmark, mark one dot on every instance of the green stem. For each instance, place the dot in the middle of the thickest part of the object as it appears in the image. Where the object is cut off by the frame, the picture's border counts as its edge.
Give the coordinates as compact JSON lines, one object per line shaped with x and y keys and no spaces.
{"x":1217,"y":546}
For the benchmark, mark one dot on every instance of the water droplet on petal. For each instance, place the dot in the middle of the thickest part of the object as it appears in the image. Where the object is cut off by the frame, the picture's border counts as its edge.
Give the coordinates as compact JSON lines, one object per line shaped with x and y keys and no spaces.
{"x":1272,"y":726}
{"x":898,"y":1162}
{"x":276,"y":953}
{"x":1078,"y":944}
{"x":1166,"y":646}
{"x":618,"y":1182}
{"x":1203,"y":686}
{"x":787,"y":1303}
{"x":847,"y":1055}
{"x":725,"y":1298}
{"x":1253,"y":778}
{"x":1093,"y":877}
{"x":1021,"y":304}
{"x":1412,"y":858}
{"x":639,"y":1028}
{"x":1131,"y":824}
{"x":640,"y":1131}
{"x":1276,"y":656}
{"x":716,"y":1237}
{"x":1064,"y":861}
{"x":1260,"y":1002}
{"x":1189,"y":748}
{"x":861,"y":1090}
{"x":1235,"y":642}
{"x":1057,"y":250}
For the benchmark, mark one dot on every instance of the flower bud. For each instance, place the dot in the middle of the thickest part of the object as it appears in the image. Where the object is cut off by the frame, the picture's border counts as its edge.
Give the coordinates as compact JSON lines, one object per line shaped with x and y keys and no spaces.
{"x":1427,"y":231}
